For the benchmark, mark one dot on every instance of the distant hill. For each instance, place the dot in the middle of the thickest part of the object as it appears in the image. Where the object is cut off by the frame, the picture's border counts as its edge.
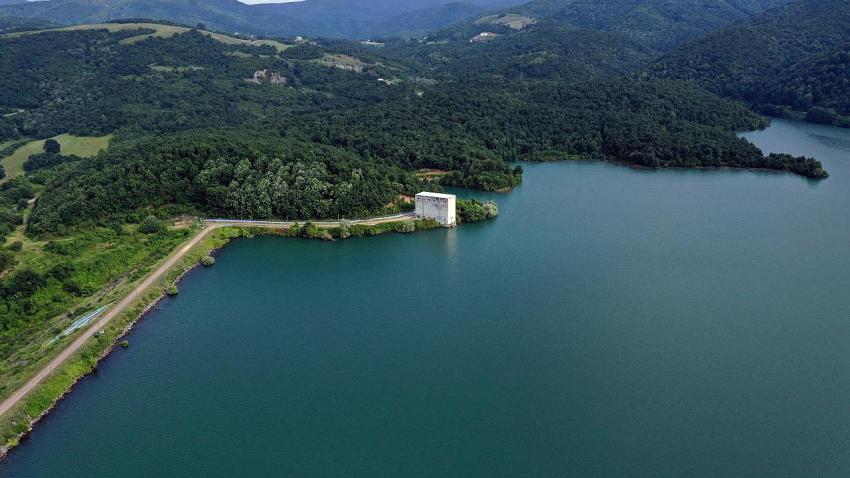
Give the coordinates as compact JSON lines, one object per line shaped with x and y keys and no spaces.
{"x":574,"y":39}
{"x":229,"y":15}
{"x":368,"y":18}
{"x":14,"y":24}
{"x":792,"y":59}
{"x":545,"y":52}
{"x":428,"y":19}
{"x":353,"y":19}
{"x":657,"y":24}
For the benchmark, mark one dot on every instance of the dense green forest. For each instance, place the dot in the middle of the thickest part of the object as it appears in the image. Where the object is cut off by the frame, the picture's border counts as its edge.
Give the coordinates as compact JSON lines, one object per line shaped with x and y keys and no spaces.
{"x":321,"y":122}
{"x":233,"y":173}
{"x":659,"y":25}
{"x":791,"y":59}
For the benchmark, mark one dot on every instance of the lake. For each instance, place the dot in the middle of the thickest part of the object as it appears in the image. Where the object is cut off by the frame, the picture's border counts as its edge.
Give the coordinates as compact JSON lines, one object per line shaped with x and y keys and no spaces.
{"x":611,"y":322}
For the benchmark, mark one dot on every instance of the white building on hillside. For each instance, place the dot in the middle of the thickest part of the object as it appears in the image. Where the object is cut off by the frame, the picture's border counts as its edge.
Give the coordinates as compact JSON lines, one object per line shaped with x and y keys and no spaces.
{"x":442,"y":207}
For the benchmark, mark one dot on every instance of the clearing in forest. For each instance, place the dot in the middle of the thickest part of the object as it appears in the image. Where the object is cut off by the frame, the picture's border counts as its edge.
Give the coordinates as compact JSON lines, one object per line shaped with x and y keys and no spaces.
{"x":83,"y":146}
{"x":512,"y":20}
{"x":344,"y":62}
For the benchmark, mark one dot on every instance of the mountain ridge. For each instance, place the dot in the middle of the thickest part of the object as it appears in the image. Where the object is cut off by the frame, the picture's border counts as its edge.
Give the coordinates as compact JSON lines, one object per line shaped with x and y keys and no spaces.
{"x":314,"y":18}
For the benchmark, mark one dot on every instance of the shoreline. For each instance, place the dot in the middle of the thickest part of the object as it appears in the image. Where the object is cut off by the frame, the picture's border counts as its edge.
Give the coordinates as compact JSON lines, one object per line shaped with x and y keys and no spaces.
{"x":120,"y":321}
{"x":5,"y":449}
{"x":84,"y":354}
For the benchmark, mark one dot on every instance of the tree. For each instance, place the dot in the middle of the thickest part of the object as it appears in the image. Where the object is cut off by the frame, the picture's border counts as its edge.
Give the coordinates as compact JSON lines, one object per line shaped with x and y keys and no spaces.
{"x":25,"y":283}
{"x":52,"y":146}
{"x":151,"y":225}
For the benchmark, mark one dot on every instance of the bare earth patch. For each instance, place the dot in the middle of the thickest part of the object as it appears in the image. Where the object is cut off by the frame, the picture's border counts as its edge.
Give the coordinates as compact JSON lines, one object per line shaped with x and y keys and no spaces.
{"x":511,"y":20}
{"x":343,"y":62}
{"x":430,"y":174}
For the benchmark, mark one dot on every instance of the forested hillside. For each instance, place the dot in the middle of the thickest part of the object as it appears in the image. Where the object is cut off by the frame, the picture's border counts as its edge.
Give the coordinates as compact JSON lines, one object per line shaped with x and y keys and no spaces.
{"x":792,"y":59}
{"x":437,"y":110}
{"x":659,"y":25}
{"x":542,"y":52}
{"x":430,"y":115}
{"x":230,"y":15}
{"x":420,"y":22}
{"x":231,"y":172}
{"x":13,"y":24}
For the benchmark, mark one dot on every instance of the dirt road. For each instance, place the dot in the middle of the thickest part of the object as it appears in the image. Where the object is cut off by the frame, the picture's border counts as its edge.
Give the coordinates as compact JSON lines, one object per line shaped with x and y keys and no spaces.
{"x":117,"y":309}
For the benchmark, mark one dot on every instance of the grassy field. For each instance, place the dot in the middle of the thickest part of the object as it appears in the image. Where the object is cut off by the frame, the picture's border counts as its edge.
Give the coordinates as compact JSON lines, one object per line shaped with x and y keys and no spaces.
{"x":160,"y":31}
{"x":512,"y":20}
{"x":344,"y":62}
{"x":175,"y":69}
{"x":278,"y":45}
{"x":84,"y":146}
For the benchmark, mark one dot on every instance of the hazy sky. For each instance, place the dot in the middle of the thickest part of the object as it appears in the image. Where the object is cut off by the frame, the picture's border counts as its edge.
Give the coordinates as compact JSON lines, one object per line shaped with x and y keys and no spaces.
{"x":252,"y":2}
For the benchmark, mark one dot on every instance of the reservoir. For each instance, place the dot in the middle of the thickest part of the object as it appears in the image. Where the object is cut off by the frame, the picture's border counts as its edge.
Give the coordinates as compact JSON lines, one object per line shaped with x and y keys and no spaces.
{"x":611,"y":322}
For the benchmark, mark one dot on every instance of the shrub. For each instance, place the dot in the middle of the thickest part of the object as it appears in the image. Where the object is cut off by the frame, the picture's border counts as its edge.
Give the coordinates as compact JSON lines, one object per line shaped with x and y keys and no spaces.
{"x":61,"y":271}
{"x":490,"y":210}
{"x":172,"y":290}
{"x":304,"y":52}
{"x":310,"y":230}
{"x":151,"y":225}
{"x":471,"y":210}
{"x":293,"y":231}
{"x":25,"y":283}
{"x":16,"y":246}
{"x":408,"y":226}
{"x":72,"y":288}
{"x":426,"y":224}
{"x":6,"y":261}
{"x":344,"y":231}
{"x":208,"y":261}
{"x":62,"y":248}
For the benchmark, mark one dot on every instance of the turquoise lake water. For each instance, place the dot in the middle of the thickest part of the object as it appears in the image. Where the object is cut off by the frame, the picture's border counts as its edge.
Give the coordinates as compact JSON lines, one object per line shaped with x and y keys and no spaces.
{"x":611,"y":322}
